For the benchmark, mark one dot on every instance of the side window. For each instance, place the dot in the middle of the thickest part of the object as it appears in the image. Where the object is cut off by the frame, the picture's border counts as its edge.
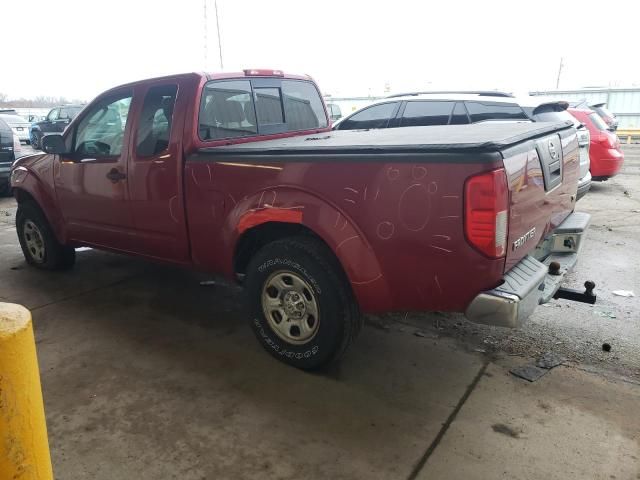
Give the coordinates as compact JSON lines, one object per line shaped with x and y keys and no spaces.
{"x":64,"y":114}
{"x":334,"y":111}
{"x":421,"y":113}
{"x":303,"y":108}
{"x":269,"y":106}
{"x":482,"y":111}
{"x":459,"y":115}
{"x":53,"y":114}
{"x":227,"y":110}
{"x":101,"y":130}
{"x":376,"y":116}
{"x":73,"y":112}
{"x":154,"y":126}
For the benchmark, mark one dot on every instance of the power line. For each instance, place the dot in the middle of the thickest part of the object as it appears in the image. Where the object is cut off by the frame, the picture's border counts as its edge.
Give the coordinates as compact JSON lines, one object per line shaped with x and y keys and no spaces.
{"x":215,"y":4}
{"x":206,"y":52}
{"x":559,"y":72}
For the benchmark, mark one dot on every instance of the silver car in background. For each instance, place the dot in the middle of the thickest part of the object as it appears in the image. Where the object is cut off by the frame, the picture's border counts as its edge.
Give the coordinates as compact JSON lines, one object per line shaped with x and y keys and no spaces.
{"x":20,"y":126}
{"x":464,"y":107}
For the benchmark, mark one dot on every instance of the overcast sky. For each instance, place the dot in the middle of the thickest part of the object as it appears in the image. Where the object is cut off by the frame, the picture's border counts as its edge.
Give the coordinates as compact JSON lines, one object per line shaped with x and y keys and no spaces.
{"x":79,"y":48}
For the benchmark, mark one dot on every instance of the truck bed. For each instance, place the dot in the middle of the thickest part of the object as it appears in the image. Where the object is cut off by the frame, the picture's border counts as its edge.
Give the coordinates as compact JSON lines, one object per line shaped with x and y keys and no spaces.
{"x":389,"y":203}
{"x":486,"y":137}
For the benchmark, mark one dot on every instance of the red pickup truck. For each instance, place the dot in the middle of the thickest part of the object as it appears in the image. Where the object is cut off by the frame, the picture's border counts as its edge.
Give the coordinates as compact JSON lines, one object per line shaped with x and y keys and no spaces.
{"x":238,"y":174}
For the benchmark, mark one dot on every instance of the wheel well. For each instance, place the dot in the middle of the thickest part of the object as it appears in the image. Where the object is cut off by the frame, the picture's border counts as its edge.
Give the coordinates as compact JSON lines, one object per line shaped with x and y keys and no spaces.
{"x":22,"y":196}
{"x":257,"y":237}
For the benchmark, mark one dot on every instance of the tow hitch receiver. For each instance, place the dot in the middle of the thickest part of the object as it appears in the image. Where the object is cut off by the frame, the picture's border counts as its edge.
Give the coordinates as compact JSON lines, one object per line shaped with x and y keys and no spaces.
{"x":576,"y":295}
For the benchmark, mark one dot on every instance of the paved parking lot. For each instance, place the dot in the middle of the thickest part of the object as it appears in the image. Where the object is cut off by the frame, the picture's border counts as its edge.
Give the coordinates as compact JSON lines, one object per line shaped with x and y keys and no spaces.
{"x":148,"y":375}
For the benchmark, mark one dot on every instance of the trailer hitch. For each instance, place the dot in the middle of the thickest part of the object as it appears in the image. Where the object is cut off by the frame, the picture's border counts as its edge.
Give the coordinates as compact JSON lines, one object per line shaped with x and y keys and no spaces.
{"x":576,"y":295}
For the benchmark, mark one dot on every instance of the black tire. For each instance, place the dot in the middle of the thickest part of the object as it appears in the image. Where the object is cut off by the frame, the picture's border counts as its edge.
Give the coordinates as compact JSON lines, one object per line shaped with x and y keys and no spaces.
{"x":323,"y":284}
{"x":35,"y":141}
{"x":47,"y":253}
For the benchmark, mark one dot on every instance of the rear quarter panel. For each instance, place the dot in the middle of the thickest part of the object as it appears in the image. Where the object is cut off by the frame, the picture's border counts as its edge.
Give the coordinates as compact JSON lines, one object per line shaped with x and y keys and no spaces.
{"x":396,"y":228}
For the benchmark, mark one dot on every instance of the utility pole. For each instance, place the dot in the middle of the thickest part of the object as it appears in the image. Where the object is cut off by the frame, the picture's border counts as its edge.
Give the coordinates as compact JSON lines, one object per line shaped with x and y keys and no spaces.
{"x":215,"y":4}
{"x":206,"y":39}
{"x":559,"y":72}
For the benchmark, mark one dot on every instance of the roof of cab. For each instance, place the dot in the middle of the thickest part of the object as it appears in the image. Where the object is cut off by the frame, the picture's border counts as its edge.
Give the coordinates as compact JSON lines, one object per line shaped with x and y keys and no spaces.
{"x":208,"y":76}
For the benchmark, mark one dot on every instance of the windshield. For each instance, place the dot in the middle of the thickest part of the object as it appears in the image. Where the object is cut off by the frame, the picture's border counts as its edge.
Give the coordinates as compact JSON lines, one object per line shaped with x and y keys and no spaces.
{"x":554,"y":116}
{"x":603,"y":111}
{"x":73,"y":111}
{"x":598,"y":122}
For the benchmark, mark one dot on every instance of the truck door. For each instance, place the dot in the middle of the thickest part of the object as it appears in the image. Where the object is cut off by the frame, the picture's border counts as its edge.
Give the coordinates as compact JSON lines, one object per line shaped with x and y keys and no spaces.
{"x":91,"y":181}
{"x":63,"y":120}
{"x":155,"y":172}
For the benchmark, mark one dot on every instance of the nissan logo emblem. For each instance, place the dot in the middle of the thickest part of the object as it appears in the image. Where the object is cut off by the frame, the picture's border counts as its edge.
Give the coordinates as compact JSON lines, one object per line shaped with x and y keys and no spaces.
{"x":552,"y":150}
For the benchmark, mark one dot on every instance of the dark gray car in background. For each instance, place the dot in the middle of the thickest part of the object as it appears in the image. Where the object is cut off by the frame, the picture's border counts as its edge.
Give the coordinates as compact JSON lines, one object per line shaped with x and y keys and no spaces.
{"x":55,"y":122}
{"x":7,"y":156}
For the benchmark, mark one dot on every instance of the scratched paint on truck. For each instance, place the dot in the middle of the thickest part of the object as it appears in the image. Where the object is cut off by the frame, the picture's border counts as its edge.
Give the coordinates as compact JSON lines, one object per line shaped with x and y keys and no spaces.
{"x":394,"y":220}
{"x":396,"y":228}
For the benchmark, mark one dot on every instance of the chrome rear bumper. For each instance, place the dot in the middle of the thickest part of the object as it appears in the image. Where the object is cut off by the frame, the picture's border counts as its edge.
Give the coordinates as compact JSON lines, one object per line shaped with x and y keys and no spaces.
{"x":529,"y":283}
{"x":584,"y":184}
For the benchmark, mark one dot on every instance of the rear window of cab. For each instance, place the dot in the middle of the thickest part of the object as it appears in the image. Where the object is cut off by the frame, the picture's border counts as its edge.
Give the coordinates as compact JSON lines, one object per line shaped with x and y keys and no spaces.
{"x":243,"y":107}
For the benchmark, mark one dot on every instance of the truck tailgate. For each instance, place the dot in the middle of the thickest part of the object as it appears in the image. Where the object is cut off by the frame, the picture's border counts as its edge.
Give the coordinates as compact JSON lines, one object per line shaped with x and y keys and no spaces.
{"x":542,"y":177}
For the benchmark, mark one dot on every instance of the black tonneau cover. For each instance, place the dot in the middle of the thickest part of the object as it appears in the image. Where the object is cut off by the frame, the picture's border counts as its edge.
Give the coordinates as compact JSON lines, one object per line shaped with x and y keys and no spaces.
{"x":485,"y":137}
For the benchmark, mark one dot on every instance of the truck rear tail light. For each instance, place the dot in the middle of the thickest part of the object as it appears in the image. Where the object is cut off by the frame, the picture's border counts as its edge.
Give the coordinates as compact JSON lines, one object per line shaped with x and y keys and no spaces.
{"x":17,"y":148}
{"x":583,"y":137}
{"x":607,"y":140}
{"x":263,"y":72}
{"x":487,"y":212}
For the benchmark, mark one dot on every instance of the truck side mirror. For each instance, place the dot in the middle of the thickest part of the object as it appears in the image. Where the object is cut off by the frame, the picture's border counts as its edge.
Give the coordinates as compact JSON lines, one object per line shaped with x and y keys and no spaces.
{"x":54,"y":143}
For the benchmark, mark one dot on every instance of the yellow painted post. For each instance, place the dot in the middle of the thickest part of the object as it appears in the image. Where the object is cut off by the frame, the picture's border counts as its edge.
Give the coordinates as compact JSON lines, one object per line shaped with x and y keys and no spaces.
{"x":24,"y":447}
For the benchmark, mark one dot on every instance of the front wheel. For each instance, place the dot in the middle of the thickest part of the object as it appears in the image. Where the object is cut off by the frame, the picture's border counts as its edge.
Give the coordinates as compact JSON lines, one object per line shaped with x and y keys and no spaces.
{"x":35,"y":141}
{"x":302,"y":308}
{"x":39,"y":245}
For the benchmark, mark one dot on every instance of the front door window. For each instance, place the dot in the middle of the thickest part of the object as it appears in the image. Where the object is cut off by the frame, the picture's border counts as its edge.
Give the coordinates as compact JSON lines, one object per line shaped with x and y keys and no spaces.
{"x":101,"y":132}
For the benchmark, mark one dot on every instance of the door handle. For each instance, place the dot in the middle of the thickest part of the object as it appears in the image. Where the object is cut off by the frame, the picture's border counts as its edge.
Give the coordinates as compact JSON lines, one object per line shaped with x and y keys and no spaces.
{"x":115,"y":176}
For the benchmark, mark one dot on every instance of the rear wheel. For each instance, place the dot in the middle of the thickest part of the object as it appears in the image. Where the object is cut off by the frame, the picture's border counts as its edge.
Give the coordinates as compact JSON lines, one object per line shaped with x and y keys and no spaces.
{"x":39,"y":245}
{"x":302,"y":308}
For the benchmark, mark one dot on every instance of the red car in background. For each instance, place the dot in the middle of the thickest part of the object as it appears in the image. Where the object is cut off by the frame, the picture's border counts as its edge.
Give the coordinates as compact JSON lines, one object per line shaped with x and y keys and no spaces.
{"x":605,"y":153}
{"x":609,"y":118}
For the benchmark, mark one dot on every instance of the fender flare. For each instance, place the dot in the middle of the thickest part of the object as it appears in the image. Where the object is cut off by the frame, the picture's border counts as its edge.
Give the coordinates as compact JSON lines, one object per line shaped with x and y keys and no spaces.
{"x":35,"y":188}
{"x":285,"y":204}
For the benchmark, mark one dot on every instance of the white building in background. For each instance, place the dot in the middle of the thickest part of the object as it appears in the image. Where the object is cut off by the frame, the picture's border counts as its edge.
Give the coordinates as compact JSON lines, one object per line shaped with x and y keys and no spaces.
{"x":624,"y":102}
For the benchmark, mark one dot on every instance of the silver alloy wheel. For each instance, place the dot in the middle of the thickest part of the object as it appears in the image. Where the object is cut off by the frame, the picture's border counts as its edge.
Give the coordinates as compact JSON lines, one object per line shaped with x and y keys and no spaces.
{"x":290,"y":307}
{"x":34,"y":241}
